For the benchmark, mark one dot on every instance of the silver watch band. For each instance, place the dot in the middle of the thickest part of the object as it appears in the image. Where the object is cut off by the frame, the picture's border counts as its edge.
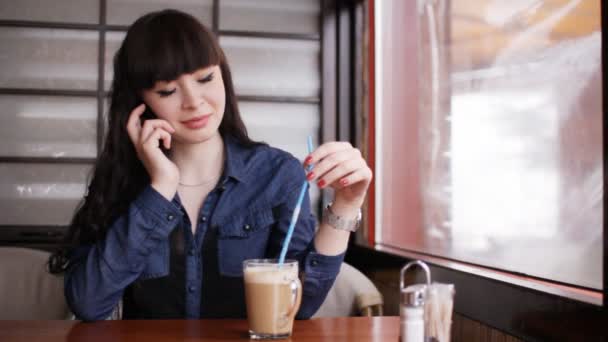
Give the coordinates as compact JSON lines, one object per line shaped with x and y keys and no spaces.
{"x":340,"y":223}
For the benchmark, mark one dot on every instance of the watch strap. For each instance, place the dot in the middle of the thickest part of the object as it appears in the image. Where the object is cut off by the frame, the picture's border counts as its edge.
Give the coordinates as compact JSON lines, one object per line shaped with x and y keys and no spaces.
{"x":340,"y":223}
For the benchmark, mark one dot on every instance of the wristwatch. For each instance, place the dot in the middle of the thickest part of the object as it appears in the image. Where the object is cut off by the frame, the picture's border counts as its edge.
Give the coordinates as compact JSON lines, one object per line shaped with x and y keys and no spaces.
{"x":340,"y":223}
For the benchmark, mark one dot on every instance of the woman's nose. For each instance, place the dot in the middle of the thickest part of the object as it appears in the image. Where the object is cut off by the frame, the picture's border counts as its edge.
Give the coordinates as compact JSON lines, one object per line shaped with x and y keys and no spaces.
{"x":191,"y":99}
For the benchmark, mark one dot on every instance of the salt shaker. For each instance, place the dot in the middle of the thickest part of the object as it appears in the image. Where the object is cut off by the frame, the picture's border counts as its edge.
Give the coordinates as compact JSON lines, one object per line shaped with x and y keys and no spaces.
{"x":412,"y":306}
{"x":412,"y":313}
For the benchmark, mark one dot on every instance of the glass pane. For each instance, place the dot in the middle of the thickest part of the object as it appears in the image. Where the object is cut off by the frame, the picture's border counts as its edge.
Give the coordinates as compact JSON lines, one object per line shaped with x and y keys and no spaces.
{"x":41,"y":194}
{"x":113,"y":41}
{"x":284,"y":16}
{"x":48,"y":126}
{"x":260,"y":66}
{"x":125,"y":12}
{"x":285,"y":126}
{"x":70,"y":11}
{"x":48,"y":58}
{"x":512,"y":134}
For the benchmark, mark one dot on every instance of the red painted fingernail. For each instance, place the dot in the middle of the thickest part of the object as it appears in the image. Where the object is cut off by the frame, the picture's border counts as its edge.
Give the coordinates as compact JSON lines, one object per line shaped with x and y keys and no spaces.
{"x":308,"y":160}
{"x":321,"y":183}
{"x":310,"y":176}
{"x":344,"y":182}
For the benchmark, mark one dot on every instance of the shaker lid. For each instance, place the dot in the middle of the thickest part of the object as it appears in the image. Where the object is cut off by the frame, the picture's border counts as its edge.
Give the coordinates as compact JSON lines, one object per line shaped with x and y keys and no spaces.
{"x":413,"y":295}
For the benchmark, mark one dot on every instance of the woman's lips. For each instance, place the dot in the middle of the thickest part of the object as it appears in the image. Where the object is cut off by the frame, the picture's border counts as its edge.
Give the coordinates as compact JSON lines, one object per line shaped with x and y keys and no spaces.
{"x":197,"y":122}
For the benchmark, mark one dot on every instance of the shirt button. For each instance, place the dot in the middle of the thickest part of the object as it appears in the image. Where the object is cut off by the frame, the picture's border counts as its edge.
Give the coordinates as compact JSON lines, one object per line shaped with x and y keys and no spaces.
{"x":170,"y":217}
{"x":314,"y":262}
{"x":247,"y":227}
{"x":204,"y":219}
{"x":191,"y":288}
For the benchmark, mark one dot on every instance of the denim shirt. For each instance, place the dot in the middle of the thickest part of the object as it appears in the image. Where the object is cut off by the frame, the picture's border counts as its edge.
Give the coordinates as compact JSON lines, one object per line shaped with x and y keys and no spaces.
{"x":245,"y":217}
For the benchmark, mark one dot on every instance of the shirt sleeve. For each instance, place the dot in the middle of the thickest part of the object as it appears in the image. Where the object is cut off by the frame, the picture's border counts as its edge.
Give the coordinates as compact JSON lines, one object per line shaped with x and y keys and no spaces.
{"x":98,"y":274}
{"x":318,"y":271}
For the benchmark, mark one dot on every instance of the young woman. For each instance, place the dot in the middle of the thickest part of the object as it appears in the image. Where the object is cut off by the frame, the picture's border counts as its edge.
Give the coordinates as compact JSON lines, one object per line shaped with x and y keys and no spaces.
{"x":180,"y":195}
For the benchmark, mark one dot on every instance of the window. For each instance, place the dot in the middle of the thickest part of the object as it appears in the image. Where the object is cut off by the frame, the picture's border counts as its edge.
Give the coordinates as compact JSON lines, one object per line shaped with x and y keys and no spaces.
{"x":489,"y":134}
{"x":53,"y":92}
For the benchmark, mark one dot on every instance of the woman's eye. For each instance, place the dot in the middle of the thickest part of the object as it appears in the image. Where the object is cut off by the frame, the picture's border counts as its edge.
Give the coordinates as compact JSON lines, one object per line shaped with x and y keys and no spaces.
{"x":206,"y":78}
{"x":165,"y":93}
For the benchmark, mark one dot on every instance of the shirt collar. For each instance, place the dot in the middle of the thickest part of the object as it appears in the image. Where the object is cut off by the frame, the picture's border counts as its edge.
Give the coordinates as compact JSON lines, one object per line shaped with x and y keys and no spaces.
{"x":234,"y":166}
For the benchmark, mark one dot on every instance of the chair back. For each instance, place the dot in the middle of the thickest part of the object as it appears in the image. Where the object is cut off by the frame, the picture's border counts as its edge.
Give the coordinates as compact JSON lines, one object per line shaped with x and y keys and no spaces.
{"x":27,"y":289}
{"x":352,"y":294}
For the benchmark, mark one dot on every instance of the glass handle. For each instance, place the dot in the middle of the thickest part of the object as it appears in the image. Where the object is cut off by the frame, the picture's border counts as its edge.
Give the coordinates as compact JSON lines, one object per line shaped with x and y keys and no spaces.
{"x":296,"y":295}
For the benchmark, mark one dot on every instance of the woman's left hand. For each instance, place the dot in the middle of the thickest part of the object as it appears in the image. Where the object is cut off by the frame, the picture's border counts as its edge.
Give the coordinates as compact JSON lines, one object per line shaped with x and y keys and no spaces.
{"x":339,"y":165}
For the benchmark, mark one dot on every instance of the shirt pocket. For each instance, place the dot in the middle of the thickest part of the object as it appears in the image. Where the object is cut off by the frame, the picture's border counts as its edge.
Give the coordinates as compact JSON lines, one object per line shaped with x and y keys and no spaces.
{"x":243,"y":237}
{"x":157,"y":262}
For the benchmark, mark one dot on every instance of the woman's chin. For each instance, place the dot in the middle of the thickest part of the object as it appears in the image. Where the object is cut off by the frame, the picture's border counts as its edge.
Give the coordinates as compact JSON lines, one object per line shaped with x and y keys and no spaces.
{"x":196,"y":137}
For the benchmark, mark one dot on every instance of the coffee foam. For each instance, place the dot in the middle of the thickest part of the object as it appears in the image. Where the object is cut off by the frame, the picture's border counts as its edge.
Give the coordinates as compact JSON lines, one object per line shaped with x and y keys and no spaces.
{"x":270,"y":275}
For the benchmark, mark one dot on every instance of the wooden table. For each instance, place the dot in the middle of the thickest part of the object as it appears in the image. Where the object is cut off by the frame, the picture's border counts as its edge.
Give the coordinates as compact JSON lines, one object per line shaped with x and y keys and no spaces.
{"x":377,"y":329}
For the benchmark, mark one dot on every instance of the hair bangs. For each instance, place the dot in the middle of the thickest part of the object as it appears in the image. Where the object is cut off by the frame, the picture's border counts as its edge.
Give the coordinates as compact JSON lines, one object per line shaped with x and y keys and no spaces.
{"x":168,"y":46}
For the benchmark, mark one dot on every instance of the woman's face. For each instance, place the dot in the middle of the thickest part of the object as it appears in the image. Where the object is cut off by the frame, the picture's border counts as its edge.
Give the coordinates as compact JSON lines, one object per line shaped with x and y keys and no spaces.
{"x":193,"y":104}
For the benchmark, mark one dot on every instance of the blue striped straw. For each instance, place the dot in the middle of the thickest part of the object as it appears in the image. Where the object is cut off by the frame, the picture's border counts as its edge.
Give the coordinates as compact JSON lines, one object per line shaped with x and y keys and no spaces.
{"x":296,"y":211}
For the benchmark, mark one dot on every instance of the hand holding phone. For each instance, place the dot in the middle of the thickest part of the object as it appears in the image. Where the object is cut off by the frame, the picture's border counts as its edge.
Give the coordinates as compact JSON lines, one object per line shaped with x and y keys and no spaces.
{"x":147,"y":136}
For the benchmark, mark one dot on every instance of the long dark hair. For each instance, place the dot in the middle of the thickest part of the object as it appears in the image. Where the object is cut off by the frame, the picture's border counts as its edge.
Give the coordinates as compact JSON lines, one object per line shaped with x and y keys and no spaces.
{"x":159,"y":46}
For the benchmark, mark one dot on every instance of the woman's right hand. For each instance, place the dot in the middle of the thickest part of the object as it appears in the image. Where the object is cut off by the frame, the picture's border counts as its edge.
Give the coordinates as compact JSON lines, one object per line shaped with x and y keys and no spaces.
{"x":164,"y":174}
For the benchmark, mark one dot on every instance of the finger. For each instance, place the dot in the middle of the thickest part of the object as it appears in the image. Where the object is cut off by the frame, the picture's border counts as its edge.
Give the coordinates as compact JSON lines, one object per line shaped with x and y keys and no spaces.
{"x":153,"y":140}
{"x":133,"y":123}
{"x":326,"y":149}
{"x":339,"y":171}
{"x":167,"y":140}
{"x":329,"y":162}
{"x":151,"y":125}
{"x":359,"y":175}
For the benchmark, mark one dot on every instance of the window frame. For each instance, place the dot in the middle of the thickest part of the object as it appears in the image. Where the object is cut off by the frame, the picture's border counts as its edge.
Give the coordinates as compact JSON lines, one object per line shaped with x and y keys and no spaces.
{"x":48,"y":237}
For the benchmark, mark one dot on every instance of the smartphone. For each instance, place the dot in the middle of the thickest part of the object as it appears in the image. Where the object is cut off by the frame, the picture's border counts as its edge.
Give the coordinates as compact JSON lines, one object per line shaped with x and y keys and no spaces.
{"x":147,"y":115}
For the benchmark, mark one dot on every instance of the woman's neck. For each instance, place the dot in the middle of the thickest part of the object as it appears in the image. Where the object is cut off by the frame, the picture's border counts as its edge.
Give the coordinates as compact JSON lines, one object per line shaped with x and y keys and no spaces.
{"x":201,"y":162}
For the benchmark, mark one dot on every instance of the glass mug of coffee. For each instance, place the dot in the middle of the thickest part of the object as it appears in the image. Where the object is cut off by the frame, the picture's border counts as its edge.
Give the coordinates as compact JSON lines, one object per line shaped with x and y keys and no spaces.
{"x":273,"y":293}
